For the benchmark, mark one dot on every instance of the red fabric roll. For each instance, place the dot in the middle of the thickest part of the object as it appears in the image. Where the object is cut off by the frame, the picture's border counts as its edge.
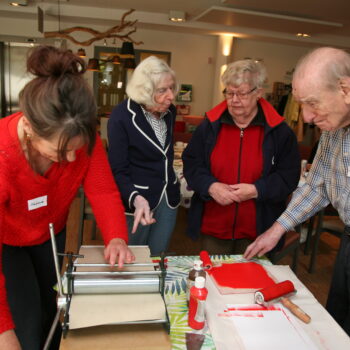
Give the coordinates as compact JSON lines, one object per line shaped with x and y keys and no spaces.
{"x":204,"y":256}
{"x":278,"y":290}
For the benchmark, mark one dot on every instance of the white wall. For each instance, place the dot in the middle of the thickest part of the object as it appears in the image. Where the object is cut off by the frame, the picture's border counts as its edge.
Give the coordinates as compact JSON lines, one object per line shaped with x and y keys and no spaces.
{"x":189,"y":54}
{"x":189,"y":59}
{"x":277,"y":58}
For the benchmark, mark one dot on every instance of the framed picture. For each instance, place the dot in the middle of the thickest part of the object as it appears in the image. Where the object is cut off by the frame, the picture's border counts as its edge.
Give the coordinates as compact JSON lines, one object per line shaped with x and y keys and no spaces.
{"x":140,"y":55}
{"x":183,"y":109}
{"x":185,"y":93}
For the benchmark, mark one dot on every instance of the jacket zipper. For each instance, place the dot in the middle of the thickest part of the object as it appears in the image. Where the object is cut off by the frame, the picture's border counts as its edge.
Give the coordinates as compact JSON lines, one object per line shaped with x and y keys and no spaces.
{"x":238,"y":180}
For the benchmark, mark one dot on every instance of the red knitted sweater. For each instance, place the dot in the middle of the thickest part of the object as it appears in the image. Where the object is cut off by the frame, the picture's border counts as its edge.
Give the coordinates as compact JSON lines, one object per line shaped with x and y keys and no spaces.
{"x":21,"y":225}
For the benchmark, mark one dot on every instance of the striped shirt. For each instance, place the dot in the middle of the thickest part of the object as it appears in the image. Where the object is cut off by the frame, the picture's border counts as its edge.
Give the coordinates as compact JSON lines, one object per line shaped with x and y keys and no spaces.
{"x":327,"y":182}
{"x":158,"y":125}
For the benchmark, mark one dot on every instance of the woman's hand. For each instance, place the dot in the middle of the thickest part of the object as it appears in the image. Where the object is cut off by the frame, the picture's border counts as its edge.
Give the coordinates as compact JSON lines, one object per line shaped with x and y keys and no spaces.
{"x":142,"y":213}
{"x":118,"y":249}
{"x":221,"y":193}
{"x":244,"y":192}
{"x":265,"y":242}
{"x":9,"y":341}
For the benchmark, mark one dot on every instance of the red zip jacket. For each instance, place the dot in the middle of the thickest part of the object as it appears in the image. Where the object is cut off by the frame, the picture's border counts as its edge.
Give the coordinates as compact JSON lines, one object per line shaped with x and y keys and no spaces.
{"x":236,"y":158}
{"x":279,"y":176}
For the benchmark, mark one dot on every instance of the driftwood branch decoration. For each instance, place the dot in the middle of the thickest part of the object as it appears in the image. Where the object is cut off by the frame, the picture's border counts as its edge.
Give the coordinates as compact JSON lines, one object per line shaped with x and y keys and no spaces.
{"x":114,"y":32}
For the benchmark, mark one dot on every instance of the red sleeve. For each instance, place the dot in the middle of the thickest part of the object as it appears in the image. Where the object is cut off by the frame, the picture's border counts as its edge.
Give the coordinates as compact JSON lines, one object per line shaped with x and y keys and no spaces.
{"x":104,"y":196}
{"x":6,"y":322}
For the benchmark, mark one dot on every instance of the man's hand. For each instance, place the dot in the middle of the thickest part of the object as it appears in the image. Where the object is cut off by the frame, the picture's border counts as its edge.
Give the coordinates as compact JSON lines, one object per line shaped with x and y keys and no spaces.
{"x":9,"y":341}
{"x":265,"y":242}
{"x":142,"y":213}
{"x":244,"y":192}
{"x":221,"y":193}
{"x":117,"y":249}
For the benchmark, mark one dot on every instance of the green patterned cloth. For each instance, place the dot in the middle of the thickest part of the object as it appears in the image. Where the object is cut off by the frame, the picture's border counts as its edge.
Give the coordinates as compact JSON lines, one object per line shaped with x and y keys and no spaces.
{"x":175,"y":298}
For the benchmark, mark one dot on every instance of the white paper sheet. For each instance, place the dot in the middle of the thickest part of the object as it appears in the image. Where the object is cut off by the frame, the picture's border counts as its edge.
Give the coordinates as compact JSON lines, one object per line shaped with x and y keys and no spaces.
{"x":267,"y":329}
{"x":323,"y":331}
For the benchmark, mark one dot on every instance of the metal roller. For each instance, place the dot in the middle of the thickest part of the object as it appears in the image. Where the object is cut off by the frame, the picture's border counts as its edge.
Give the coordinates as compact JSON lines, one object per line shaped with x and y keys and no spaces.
{"x":127,"y":284}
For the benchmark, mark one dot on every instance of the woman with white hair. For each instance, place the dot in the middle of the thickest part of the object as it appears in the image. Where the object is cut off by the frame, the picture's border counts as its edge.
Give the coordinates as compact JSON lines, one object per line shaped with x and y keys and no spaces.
{"x":242,"y":162}
{"x":140,"y":134}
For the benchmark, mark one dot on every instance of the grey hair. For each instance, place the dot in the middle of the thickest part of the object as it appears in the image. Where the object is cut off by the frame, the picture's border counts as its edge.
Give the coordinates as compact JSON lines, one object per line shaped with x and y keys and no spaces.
{"x":244,"y":71}
{"x":145,"y":79}
{"x":333,"y":64}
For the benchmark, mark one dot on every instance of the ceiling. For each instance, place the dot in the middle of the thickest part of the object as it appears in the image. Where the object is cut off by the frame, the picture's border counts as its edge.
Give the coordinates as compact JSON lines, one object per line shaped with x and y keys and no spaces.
{"x":327,"y":22}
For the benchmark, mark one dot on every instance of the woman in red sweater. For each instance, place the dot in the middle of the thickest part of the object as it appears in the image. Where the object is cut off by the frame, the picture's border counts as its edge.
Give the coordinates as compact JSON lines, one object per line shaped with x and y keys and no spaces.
{"x":46,"y":153}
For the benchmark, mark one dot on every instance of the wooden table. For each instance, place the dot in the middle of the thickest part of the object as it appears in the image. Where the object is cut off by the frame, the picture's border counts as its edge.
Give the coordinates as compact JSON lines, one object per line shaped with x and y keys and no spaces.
{"x":323,"y":330}
{"x":122,"y":337}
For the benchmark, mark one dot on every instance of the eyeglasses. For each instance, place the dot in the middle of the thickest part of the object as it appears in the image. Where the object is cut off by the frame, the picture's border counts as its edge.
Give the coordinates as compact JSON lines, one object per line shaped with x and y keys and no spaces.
{"x":240,"y":95}
{"x":163,"y":91}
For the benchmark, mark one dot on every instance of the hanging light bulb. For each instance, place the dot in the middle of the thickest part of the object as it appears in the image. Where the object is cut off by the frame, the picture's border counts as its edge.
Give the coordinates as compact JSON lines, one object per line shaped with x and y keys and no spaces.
{"x":116,"y":60}
{"x":129,"y":63}
{"x":19,"y":3}
{"x":105,"y":42}
{"x":81,"y":53}
{"x":127,"y":50}
{"x":93,"y":65}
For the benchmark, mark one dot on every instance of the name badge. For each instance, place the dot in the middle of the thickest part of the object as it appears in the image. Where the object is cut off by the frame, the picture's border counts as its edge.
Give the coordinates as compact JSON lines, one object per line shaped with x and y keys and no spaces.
{"x":37,"y":203}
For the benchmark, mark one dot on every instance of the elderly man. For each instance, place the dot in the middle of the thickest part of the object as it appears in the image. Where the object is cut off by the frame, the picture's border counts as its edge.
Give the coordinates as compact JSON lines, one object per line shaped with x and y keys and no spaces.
{"x":321,"y":84}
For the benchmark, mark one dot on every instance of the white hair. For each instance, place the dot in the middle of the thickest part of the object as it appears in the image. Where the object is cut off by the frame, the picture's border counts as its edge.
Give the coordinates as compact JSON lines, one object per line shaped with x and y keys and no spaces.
{"x":244,"y":71}
{"x":330,"y":65}
{"x":145,"y":79}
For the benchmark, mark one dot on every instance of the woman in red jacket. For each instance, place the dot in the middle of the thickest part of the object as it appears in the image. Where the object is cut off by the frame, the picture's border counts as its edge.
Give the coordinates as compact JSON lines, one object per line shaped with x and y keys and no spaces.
{"x":242,"y":163}
{"x":47,"y":152}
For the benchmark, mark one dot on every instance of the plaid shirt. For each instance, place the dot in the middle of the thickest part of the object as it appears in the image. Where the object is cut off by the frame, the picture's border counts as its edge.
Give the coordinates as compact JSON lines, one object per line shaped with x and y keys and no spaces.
{"x":158,"y":125}
{"x":327,"y":182}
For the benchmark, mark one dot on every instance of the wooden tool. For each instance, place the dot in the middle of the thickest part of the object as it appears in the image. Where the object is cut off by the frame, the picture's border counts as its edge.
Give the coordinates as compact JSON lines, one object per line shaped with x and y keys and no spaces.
{"x":296,"y":310}
{"x":277,"y":292}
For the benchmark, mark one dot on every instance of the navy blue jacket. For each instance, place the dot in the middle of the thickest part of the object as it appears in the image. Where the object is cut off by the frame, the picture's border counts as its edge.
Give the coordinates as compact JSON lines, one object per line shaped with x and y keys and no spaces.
{"x":281,"y":168}
{"x":139,"y":163}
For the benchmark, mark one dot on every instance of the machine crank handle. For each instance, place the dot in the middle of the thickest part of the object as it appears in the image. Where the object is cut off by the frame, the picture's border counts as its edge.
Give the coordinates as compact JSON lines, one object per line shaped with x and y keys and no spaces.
{"x":52,"y":329}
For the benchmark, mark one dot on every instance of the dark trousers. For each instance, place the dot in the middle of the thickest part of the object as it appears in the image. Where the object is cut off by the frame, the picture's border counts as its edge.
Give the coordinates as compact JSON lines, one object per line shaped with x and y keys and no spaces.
{"x":30,"y":277}
{"x":215,"y":245}
{"x":338,"y":303}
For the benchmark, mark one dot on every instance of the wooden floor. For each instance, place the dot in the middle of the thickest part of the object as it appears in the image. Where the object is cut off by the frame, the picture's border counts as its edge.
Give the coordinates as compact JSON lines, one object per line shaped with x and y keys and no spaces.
{"x":317,"y":282}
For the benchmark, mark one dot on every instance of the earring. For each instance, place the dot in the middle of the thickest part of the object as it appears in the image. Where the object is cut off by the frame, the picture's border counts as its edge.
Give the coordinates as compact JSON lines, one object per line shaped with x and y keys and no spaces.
{"x":28,"y":137}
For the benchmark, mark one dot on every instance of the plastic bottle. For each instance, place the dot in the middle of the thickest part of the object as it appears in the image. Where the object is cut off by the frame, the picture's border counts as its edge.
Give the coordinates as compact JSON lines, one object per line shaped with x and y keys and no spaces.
{"x":198,"y":295}
{"x":195,"y":272}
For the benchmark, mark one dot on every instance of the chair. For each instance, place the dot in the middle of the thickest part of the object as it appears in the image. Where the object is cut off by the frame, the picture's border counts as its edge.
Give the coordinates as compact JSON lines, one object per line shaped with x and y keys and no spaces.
{"x":291,"y":245}
{"x":333,"y":225}
{"x":85,"y":214}
{"x":304,"y":151}
{"x":182,"y":136}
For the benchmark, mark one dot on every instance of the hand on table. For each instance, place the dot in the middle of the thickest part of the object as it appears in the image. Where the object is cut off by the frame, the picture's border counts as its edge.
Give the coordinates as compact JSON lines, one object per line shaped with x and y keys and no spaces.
{"x":142,"y":213}
{"x":265,"y":242}
{"x":244,"y":192}
{"x":221,"y":193}
{"x":117,"y":249}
